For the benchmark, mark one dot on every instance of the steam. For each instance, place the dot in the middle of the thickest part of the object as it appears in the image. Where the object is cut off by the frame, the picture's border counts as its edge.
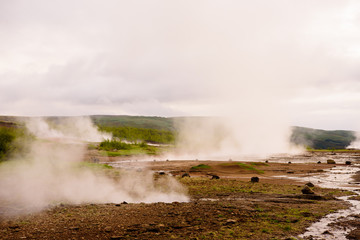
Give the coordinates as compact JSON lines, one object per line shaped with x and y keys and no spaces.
{"x":77,"y":129}
{"x":51,"y":173}
{"x":356,"y":143}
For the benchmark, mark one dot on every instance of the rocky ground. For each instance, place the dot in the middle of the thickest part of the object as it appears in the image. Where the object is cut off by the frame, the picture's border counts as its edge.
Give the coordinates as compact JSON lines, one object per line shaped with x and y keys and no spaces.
{"x":231,"y":207}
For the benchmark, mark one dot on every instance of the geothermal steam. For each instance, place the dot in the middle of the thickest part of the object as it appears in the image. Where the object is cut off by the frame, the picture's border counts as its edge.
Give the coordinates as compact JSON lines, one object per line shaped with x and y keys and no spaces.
{"x":50,"y":173}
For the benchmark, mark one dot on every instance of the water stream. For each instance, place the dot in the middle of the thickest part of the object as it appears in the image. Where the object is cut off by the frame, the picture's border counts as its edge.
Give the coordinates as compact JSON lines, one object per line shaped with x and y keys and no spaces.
{"x":339,"y":177}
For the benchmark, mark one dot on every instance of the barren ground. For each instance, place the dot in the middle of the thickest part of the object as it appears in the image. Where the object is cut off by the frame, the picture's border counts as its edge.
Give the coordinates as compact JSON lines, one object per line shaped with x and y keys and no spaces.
{"x":227,"y":208}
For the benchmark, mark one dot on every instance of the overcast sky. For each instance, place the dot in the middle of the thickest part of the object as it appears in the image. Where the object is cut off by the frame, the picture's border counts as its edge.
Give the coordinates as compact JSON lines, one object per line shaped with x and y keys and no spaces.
{"x":295,"y":59}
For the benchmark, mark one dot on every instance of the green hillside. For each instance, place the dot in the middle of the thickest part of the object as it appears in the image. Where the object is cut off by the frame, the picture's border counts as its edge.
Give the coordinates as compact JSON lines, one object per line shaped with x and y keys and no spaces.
{"x":322,"y":139}
{"x":163,"y":130}
{"x":159,"y":123}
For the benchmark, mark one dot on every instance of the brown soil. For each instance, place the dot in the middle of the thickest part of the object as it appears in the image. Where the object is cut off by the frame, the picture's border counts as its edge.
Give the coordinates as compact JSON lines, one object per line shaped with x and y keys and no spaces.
{"x":228,"y":208}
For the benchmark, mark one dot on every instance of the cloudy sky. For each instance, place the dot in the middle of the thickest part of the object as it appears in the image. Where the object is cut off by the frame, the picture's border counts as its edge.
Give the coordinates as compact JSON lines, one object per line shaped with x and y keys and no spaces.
{"x":294,"y":60}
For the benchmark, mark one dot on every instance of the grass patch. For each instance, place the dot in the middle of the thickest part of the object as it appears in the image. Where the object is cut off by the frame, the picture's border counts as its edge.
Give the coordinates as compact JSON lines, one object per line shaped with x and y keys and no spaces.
{"x":247,"y":167}
{"x":200,"y":167}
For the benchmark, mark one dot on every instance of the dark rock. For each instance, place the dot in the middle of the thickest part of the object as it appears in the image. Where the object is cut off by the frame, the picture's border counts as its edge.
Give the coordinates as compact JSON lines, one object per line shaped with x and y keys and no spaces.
{"x":185,"y":175}
{"x":161,"y":173}
{"x":14,"y":226}
{"x":318,"y":162}
{"x":74,"y":228}
{"x":307,"y":190}
{"x":215,"y":177}
{"x":116,"y":238}
{"x":255,"y":179}
{"x":310,"y":184}
{"x":327,"y":233}
{"x":124,"y":202}
{"x":289,"y":162}
{"x":348,"y":162}
{"x":266,"y":161}
{"x":290,"y":172}
{"x":330,"y":161}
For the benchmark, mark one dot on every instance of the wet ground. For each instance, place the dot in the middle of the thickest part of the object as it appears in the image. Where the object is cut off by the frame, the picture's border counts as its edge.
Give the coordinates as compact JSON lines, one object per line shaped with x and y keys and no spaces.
{"x":231,"y":207}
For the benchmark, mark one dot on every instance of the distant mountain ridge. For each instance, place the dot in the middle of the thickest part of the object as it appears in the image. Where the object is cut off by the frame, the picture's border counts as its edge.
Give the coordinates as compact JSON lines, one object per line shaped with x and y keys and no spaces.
{"x":308,"y":137}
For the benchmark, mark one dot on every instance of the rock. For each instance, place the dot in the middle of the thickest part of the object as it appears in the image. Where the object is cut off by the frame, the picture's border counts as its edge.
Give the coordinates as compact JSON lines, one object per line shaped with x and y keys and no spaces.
{"x":161,"y":173}
{"x":318,"y":162}
{"x":116,"y":237}
{"x":310,"y":184}
{"x":266,"y":161}
{"x":290,"y":172}
{"x":108,"y":229}
{"x":230,"y":221}
{"x":327,"y":233}
{"x":348,"y":162}
{"x":14,"y":226}
{"x":255,"y":179}
{"x":289,"y":162}
{"x":307,"y":190}
{"x":74,"y":228}
{"x":215,"y":177}
{"x":330,"y":161}
{"x":185,"y":175}
{"x":124,"y":202}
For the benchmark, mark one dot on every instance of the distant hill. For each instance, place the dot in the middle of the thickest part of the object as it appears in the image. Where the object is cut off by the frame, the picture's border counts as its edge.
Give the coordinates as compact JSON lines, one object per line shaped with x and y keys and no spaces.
{"x":313,"y":138}
{"x":322,"y":139}
{"x":159,"y":123}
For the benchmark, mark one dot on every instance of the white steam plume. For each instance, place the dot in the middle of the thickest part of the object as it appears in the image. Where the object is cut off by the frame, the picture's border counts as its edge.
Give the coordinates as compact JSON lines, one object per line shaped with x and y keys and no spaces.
{"x":50,"y":174}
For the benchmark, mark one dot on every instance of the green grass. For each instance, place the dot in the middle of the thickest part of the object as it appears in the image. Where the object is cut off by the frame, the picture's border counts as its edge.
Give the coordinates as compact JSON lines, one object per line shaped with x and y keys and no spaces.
{"x":200,"y":166}
{"x":247,"y":167}
{"x":133,"y":150}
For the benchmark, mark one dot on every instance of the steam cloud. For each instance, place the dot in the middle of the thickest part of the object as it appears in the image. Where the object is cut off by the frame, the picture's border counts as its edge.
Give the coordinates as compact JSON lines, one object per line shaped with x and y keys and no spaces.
{"x":50,"y":174}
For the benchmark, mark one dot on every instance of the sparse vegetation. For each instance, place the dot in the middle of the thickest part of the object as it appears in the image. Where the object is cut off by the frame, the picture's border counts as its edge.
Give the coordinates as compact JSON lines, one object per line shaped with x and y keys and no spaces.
{"x":115,"y":148}
{"x":200,"y":166}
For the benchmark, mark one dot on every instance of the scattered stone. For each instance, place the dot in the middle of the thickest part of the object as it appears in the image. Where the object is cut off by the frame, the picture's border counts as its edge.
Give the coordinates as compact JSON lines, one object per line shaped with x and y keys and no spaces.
{"x":307,"y":190}
{"x":348,"y":162}
{"x":327,"y":233}
{"x":266,"y":161}
{"x":319,"y":162}
{"x":330,"y":161}
{"x":116,"y":238}
{"x":255,"y":179}
{"x":215,"y":177}
{"x":289,"y":162}
{"x":161,"y":173}
{"x":117,"y":205}
{"x":310,"y":184}
{"x":108,"y":229}
{"x":124,"y":202}
{"x":14,"y":226}
{"x":185,"y":175}
{"x":230,"y":221}
{"x":290,"y":172}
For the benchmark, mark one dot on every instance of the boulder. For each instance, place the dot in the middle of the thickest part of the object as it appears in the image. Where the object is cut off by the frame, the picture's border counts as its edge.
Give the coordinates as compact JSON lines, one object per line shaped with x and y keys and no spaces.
{"x":310,"y":184}
{"x":330,"y":161}
{"x":348,"y":162}
{"x":185,"y":175}
{"x":307,"y":190}
{"x":215,"y":177}
{"x":255,"y":179}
